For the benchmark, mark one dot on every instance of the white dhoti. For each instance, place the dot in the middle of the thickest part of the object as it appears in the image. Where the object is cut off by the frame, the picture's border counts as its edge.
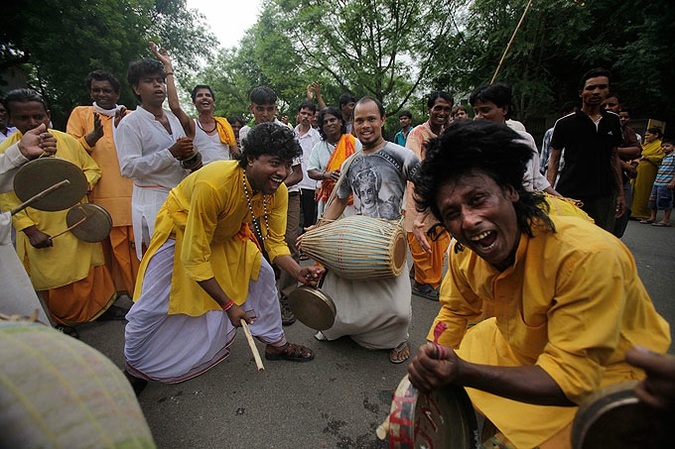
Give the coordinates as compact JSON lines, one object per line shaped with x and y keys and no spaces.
{"x":145,"y":205}
{"x":174,"y":348}
{"x":376,"y":314}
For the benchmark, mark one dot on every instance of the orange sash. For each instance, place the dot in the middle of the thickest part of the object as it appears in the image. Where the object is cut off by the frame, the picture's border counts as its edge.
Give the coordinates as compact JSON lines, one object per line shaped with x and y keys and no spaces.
{"x":345,"y":147}
{"x":246,"y":233}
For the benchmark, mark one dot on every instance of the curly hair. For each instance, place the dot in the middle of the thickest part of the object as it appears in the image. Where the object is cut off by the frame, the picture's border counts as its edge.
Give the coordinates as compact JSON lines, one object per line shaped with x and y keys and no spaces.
{"x":479,"y":146}
{"x":335,"y":112}
{"x":102,"y":75}
{"x":272,"y":140}
{"x":144,"y":67}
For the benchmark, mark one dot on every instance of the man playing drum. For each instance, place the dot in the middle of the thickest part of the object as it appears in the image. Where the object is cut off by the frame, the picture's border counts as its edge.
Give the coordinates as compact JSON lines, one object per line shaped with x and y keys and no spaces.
{"x":568,"y":302}
{"x":374,"y":313}
{"x":204,"y":271}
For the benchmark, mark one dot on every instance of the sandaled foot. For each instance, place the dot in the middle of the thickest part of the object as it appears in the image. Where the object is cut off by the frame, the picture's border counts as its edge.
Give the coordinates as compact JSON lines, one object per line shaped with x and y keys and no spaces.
{"x":400,"y":353}
{"x":646,"y":221}
{"x":661,"y":224}
{"x":425,"y":291}
{"x":136,"y":383}
{"x":70,"y":331}
{"x":113,"y":313}
{"x":291,"y":352}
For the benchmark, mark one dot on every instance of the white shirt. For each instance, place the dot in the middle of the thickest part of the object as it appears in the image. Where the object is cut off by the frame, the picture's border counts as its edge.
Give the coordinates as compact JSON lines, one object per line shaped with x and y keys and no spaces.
{"x":534,"y":181}
{"x":307,"y":142}
{"x":210,"y":147}
{"x":10,"y":161}
{"x":143,"y":149}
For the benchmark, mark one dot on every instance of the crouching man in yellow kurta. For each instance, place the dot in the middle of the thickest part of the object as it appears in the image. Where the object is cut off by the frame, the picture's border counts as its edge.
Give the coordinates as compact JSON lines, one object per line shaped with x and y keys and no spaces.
{"x":567,"y":299}
{"x":68,"y":272}
{"x":204,"y":272}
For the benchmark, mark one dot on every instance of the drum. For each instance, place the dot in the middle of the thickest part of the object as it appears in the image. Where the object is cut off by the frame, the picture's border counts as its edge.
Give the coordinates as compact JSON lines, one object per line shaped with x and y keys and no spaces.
{"x":312,"y":307}
{"x":614,"y":417}
{"x":56,"y":391}
{"x":442,"y":419}
{"x":40,"y":174}
{"x":358,"y":247}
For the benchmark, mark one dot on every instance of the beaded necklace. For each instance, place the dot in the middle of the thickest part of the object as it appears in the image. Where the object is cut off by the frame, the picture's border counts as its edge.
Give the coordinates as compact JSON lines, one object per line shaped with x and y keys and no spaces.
{"x":215,"y":125}
{"x":250,"y":208}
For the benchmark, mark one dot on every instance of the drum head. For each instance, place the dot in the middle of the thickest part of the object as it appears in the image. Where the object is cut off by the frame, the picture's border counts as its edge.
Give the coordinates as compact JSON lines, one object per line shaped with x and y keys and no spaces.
{"x":614,"y":417}
{"x":40,"y":174}
{"x":96,"y":226}
{"x":312,"y":307}
{"x":442,"y":419}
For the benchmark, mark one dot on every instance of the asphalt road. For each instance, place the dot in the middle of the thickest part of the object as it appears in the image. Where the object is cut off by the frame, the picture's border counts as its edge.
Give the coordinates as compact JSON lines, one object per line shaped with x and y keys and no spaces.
{"x":335,"y":401}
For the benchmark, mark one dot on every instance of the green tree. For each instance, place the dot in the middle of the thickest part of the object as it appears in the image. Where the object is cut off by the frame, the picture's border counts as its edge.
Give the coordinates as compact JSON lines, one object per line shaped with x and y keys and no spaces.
{"x":56,"y":43}
{"x":382,"y":48}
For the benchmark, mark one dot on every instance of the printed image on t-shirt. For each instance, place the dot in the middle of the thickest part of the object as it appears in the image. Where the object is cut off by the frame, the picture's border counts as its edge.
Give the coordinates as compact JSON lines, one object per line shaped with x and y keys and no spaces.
{"x":378,"y":181}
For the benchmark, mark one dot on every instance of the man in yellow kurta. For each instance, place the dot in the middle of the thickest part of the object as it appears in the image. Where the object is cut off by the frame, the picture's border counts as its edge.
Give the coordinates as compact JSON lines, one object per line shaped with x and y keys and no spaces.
{"x":68,"y":272}
{"x":203,"y":272}
{"x":93,"y":127}
{"x":568,"y":303}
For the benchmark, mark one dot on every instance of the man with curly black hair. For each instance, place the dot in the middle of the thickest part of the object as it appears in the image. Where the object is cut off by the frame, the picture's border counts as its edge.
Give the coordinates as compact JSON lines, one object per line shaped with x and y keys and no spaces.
{"x":204,"y":272}
{"x":568,"y":302}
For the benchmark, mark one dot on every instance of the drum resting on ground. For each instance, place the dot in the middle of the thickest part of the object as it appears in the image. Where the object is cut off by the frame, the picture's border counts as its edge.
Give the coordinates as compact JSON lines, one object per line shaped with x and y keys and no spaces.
{"x":441,"y":419}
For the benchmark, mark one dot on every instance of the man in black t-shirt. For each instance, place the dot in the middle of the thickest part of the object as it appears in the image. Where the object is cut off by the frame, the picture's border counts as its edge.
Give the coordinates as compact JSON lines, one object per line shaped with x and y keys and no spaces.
{"x":592,"y":171}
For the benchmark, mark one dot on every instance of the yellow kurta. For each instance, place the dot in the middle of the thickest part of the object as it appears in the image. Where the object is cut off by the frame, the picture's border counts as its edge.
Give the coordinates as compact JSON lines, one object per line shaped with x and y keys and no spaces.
{"x":113,"y":191}
{"x":572,"y":304}
{"x":70,"y":259}
{"x":646,"y":174}
{"x":205,"y":214}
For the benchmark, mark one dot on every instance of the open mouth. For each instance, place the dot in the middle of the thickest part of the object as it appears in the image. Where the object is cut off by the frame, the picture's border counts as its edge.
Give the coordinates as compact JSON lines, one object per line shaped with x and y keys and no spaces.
{"x":485,"y":240}
{"x":275,"y":182}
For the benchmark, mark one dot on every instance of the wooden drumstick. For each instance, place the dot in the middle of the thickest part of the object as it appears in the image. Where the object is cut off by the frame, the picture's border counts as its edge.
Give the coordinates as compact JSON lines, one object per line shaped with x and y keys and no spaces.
{"x":40,"y":195}
{"x":82,"y":220}
{"x":383,"y":429}
{"x":251,"y":343}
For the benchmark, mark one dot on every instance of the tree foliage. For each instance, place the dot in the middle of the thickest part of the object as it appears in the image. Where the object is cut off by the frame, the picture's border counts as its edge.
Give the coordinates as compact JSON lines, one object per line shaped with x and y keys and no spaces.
{"x":385,"y":49}
{"x":57,"y":42}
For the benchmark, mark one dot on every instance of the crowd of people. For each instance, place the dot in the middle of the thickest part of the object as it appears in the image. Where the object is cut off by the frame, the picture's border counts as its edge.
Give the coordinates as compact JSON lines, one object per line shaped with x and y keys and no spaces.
{"x":208,"y":215}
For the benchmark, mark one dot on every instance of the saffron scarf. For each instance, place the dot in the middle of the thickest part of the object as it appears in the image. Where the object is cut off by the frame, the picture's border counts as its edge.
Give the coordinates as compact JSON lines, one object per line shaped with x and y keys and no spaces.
{"x":225,"y":131}
{"x":345,"y":147}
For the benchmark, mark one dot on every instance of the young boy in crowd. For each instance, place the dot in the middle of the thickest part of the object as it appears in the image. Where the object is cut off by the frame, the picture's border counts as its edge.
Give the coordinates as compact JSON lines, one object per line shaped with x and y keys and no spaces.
{"x":661,"y":197}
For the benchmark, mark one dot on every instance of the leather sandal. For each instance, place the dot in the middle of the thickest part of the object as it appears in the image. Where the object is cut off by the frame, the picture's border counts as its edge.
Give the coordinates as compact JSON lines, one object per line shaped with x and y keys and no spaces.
{"x":293,"y":353}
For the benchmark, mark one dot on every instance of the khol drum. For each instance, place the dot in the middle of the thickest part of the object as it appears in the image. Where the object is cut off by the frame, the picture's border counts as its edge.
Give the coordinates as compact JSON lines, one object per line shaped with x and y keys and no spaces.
{"x":358,"y":247}
{"x":614,"y":417}
{"x":443,"y":419}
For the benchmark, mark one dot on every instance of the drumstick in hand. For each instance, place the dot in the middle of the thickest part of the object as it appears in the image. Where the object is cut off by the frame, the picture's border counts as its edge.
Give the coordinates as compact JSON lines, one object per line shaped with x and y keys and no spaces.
{"x":251,"y":343}
{"x":383,"y":429}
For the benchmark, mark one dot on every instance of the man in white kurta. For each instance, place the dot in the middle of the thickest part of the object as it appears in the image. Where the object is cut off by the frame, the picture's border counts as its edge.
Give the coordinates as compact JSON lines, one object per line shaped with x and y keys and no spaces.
{"x":150,"y":141}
